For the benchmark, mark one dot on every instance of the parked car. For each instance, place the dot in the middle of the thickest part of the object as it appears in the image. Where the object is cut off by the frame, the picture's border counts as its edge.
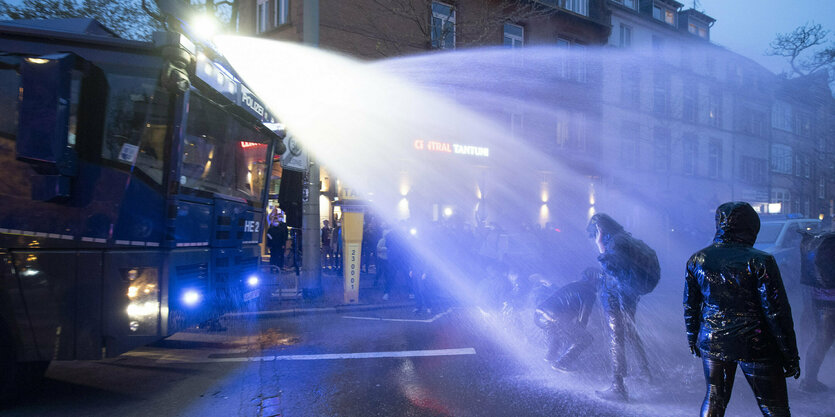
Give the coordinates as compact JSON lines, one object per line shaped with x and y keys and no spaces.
{"x":780,"y":236}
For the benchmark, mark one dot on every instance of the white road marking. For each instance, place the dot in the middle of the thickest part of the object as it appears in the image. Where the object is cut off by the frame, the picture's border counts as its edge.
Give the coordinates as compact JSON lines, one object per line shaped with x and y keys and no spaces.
{"x":437,"y":316}
{"x":167,"y":358}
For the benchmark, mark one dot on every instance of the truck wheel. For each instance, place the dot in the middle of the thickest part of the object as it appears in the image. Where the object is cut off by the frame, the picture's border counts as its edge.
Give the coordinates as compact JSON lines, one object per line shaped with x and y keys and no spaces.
{"x":17,"y":378}
{"x":8,"y":377}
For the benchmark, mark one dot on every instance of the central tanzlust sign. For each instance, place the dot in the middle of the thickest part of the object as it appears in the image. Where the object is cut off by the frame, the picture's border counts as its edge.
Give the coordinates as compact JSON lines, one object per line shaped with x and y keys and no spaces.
{"x":444,"y":147}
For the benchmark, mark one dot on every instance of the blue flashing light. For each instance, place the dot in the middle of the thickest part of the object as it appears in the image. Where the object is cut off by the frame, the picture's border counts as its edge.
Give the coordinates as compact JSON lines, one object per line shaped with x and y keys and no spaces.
{"x":252,"y":281}
{"x":191,"y":298}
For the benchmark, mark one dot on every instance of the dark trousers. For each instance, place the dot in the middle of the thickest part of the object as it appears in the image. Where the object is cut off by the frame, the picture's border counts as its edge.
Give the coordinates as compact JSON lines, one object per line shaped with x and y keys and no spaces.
{"x":824,"y":337}
{"x":566,"y":339}
{"x":277,"y":256}
{"x":383,"y":274}
{"x":765,"y":378}
{"x":619,"y":308}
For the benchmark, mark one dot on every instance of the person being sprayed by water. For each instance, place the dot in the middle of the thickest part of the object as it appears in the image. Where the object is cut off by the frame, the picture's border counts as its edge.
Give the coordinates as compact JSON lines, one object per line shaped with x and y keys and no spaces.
{"x":818,"y":274}
{"x":736,"y":312}
{"x":630,"y":270}
{"x":563,"y":317}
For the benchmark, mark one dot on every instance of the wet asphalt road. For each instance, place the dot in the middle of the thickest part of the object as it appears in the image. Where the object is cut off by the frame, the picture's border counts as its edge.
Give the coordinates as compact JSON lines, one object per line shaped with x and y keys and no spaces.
{"x":372,"y":363}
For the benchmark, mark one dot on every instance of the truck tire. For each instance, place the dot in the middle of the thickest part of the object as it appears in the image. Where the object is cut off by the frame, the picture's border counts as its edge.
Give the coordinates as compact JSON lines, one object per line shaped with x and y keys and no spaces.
{"x":8,"y":376}
{"x":17,"y":378}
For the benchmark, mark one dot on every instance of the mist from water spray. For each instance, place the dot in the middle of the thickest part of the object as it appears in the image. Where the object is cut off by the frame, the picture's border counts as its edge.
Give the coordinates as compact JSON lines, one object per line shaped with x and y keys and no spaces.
{"x":360,"y":120}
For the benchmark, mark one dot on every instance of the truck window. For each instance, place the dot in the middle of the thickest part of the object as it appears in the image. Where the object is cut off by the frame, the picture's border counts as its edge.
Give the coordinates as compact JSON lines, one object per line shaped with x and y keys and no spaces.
{"x":223,"y":155}
{"x":136,"y":124}
{"x":9,"y":93}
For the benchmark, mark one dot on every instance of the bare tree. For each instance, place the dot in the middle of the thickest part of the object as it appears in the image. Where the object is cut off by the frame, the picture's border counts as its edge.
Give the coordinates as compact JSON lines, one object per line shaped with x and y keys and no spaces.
{"x":805,"y":48}
{"x":401,"y":26}
{"x":124,"y":17}
{"x":131,"y":19}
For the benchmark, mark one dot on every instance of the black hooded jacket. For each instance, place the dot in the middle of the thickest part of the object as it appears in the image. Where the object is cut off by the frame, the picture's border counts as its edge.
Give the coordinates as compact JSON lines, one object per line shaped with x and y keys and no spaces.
{"x":735,"y":305}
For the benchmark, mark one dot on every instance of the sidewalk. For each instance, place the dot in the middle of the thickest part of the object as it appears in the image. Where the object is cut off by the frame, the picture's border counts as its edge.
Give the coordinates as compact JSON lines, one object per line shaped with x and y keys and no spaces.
{"x":331,"y":300}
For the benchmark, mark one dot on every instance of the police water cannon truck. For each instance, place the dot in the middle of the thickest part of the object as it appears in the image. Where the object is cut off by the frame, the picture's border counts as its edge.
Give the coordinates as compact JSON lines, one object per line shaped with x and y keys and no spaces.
{"x":133,"y":183}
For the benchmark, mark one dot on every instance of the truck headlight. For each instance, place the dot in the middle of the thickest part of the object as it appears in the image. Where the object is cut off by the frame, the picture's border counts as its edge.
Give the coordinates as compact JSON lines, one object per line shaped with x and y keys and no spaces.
{"x":252,"y":281}
{"x":191,"y":298}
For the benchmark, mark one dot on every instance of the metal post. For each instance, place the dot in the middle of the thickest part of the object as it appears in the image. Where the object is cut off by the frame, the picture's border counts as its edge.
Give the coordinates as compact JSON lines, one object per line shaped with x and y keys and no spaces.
{"x":311,"y":279}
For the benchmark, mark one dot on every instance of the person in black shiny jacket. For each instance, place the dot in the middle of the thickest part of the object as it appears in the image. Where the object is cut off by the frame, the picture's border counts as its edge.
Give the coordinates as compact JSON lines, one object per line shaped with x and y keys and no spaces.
{"x":564,"y":316}
{"x":736,"y":312}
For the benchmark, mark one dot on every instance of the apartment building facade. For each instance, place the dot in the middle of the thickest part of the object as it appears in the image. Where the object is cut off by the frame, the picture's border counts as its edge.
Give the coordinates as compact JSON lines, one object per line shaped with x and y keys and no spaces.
{"x":663,"y":116}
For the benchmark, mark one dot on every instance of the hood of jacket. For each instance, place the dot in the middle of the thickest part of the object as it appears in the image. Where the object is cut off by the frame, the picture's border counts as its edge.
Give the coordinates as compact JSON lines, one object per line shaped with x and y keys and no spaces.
{"x":736,"y":221}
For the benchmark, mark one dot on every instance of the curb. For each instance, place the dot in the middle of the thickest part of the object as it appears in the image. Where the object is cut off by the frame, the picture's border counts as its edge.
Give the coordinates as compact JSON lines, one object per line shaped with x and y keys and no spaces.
{"x":293,"y":312}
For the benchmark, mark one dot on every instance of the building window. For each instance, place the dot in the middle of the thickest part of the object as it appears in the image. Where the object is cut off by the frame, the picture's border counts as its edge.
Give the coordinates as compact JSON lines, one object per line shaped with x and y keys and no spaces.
{"x":714,"y":108}
{"x":822,"y":187}
{"x":753,"y":170}
{"x":563,"y":64}
{"x":630,"y":93}
{"x":664,"y":14}
{"x":661,"y":94}
{"x":514,"y":35}
{"x":632,"y":4}
{"x":690,"y":148}
{"x":803,"y":125}
{"x":580,"y":62}
{"x":443,"y":26}
{"x":563,"y":120}
{"x":802,"y":166}
{"x":661,"y":149}
{"x":571,"y":130}
{"x":625,"y":36}
{"x":629,"y":150}
{"x":516,"y":121}
{"x":577,"y":6}
{"x":782,"y":196}
{"x":782,"y":116}
{"x":753,"y":122}
{"x":261,"y":16}
{"x":714,"y":159}
{"x":781,"y":158}
{"x":697,"y":30}
{"x":690,"y":105}
{"x":282,"y":12}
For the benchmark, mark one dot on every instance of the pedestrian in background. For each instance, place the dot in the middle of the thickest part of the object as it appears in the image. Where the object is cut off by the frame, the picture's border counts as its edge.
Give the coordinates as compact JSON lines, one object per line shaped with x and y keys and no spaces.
{"x":737,"y":313}
{"x":818,"y":274}
{"x":383,"y":266}
{"x":276,"y":241}
{"x":327,"y":251}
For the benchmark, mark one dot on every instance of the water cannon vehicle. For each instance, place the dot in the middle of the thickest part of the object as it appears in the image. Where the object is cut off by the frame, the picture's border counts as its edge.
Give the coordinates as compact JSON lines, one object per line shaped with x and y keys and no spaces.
{"x":133,"y":192}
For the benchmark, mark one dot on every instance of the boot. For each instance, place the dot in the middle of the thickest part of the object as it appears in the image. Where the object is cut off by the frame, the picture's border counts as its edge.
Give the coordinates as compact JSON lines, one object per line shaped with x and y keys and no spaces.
{"x":645,"y":375}
{"x":617,"y":392}
{"x":813,"y":386}
{"x":562,"y":366}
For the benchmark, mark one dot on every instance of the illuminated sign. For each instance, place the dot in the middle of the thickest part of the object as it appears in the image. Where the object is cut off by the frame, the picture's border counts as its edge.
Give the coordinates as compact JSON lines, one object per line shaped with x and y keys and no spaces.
{"x":246,"y":145}
{"x":454,"y":148}
{"x":221,"y":79}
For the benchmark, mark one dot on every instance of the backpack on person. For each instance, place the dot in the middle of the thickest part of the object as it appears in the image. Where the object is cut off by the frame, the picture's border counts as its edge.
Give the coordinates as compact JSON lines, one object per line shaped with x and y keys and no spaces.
{"x":634,"y":263}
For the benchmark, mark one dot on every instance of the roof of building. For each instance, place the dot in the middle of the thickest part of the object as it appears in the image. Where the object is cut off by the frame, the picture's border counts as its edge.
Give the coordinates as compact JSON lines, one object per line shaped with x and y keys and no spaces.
{"x":698,"y":15}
